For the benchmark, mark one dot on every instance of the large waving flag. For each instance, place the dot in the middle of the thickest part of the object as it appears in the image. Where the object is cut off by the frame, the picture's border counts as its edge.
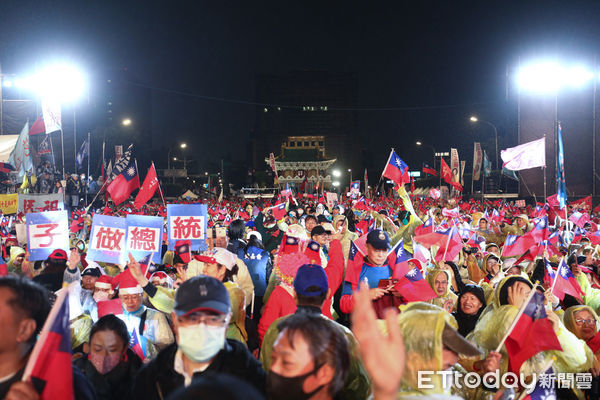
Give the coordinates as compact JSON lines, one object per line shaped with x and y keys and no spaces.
{"x":515,"y":245}
{"x":445,"y":172}
{"x":49,"y":367}
{"x":428,"y":170}
{"x":148,"y":188}
{"x":487,"y":165}
{"x":426,"y":228}
{"x":531,"y":334}
{"x":396,"y":169}
{"x":525,"y":156}
{"x":123,"y":184}
{"x":84,"y":152}
{"x":20,"y":157}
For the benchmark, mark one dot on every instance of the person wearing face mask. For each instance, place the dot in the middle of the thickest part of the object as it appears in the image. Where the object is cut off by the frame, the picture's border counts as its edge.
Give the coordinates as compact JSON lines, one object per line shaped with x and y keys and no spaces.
{"x":200,"y":318}
{"x":310,"y":360}
{"x":110,"y":365}
{"x":151,"y":326}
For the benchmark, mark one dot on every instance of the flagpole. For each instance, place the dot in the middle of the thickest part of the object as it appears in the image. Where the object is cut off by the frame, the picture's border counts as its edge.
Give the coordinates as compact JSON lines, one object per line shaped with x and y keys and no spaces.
{"x":556,"y":276}
{"x":75,"y":138}
{"x":89,"y":147}
{"x":62,"y":151}
{"x":159,"y":188}
{"x":514,"y":323}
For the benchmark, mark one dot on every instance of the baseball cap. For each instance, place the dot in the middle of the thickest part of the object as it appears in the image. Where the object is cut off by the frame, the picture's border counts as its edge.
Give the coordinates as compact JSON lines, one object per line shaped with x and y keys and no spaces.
{"x":308,"y":277}
{"x":457,"y":343}
{"x":91,"y":271}
{"x":379,"y":239}
{"x":182,"y":250}
{"x":201,"y":293}
{"x":58,"y":255}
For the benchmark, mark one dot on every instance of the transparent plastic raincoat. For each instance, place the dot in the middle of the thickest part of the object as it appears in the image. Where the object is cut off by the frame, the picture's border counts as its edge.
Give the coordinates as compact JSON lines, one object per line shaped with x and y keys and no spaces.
{"x":495,"y":322}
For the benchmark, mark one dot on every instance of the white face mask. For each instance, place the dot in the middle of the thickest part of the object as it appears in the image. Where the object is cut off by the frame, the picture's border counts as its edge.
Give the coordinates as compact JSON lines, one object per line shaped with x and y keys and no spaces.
{"x":100,"y":296}
{"x":200,"y":342}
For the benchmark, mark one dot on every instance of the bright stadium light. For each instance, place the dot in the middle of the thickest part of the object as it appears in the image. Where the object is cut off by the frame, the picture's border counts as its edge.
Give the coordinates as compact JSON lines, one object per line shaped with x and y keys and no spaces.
{"x":336,"y":173}
{"x":336,"y":184}
{"x":549,"y":76}
{"x":63,"y":82}
{"x":577,"y":76}
{"x":544,"y":77}
{"x":7,"y":83}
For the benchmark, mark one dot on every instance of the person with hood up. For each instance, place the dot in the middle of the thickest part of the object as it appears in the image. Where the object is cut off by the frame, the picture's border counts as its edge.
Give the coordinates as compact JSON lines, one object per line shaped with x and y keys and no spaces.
{"x":269,"y":231}
{"x":440,"y":281}
{"x":470,"y":305}
{"x":17,"y":256}
{"x":495,"y":321}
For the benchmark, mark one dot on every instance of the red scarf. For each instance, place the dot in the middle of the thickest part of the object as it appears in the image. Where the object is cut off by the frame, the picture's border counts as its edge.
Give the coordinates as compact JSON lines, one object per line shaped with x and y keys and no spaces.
{"x":594,"y":343}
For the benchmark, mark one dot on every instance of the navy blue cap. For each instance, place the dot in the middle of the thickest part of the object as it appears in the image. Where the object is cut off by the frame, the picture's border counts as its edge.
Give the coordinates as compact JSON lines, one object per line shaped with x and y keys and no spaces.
{"x":202,"y":293}
{"x":379,"y":239}
{"x":311,"y":275}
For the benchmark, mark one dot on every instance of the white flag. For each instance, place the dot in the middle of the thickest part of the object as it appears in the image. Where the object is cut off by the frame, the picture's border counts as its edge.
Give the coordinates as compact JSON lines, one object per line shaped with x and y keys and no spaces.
{"x":525,"y":156}
{"x":51,"y":114}
{"x":20,"y":157}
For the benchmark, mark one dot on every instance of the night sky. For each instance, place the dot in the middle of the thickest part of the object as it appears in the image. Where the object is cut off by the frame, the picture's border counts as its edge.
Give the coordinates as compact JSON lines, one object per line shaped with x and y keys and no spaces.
{"x":440,"y":60}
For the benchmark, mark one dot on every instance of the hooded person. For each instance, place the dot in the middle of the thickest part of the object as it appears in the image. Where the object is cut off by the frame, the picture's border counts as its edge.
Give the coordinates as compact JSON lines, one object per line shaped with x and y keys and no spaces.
{"x":340,"y":223}
{"x":440,"y":281}
{"x":150,"y":326}
{"x":237,"y":325}
{"x":17,"y":256}
{"x":469,"y":307}
{"x":495,"y":321}
{"x":270,"y":232}
{"x":491,"y":267}
{"x":431,"y":344}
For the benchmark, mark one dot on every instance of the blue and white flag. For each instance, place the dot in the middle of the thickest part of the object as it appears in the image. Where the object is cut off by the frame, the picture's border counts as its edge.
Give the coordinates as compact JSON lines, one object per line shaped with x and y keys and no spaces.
{"x":20,"y":157}
{"x":46,"y":232}
{"x":84,"y":152}
{"x":187,"y":222}
{"x":107,"y":239}
{"x":144,"y":236}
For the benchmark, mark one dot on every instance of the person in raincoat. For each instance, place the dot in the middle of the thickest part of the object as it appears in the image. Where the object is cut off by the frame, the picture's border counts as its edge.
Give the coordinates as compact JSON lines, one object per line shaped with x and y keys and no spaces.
{"x":439,"y":280}
{"x":17,"y":255}
{"x":494,"y":323}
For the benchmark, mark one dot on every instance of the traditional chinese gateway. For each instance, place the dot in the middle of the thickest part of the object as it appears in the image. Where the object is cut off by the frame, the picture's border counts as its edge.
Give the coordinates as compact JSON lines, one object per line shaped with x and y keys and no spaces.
{"x":302,"y":159}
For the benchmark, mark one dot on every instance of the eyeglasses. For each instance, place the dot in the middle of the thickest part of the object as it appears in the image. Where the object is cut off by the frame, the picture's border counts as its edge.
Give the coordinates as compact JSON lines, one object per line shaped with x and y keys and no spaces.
{"x":208,"y":320}
{"x":590,"y":321}
{"x":130,"y":297}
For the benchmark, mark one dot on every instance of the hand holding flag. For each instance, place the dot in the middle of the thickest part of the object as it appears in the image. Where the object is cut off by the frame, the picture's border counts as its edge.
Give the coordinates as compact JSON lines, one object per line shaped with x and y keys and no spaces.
{"x":396,"y":169}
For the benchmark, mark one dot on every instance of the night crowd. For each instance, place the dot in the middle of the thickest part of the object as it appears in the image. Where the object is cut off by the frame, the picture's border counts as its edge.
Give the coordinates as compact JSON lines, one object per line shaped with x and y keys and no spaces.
{"x":348,"y":301}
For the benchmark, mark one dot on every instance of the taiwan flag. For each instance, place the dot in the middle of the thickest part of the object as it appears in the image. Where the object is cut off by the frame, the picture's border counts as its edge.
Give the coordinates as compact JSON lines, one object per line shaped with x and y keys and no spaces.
{"x":532,"y":333}
{"x":148,"y":188}
{"x":428,"y":170}
{"x":540,"y":231}
{"x":426,"y":228}
{"x":515,"y":245}
{"x":413,"y":287}
{"x":136,"y":346}
{"x":49,"y":367}
{"x":126,"y":182}
{"x":278,"y":211}
{"x":396,"y":169}
{"x":398,"y":259}
{"x":566,"y":283}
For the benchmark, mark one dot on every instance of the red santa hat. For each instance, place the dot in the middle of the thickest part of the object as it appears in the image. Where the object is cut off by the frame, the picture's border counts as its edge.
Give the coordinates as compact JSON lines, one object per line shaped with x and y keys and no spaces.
{"x":104,"y":282}
{"x":128,"y":284}
{"x":160,"y":275}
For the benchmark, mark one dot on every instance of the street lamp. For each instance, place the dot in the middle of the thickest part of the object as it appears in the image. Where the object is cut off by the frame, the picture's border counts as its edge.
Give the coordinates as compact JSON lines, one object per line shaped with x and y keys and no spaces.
{"x":419,"y":144}
{"x":336,"y":173}
{"x":350,"y":171}
{"x":183,"y":145}
{"x":126,"y":122}
{"x":474,"y":119}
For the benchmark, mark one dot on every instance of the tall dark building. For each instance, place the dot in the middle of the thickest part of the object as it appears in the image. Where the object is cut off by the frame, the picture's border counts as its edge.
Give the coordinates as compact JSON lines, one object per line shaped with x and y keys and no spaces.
{"x":307,"y":103}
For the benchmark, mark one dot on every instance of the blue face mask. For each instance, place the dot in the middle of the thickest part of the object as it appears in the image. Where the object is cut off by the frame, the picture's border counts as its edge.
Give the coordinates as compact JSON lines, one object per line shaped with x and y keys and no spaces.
{"x":200,"y":342}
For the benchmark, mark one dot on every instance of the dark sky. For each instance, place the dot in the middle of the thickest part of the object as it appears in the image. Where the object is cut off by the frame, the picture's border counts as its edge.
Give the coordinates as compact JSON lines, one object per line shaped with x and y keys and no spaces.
{"x":405,"y":54}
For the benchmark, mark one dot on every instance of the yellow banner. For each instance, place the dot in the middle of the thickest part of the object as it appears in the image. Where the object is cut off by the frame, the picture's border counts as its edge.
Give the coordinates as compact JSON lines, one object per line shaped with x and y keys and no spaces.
{"x":9,"y":203}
